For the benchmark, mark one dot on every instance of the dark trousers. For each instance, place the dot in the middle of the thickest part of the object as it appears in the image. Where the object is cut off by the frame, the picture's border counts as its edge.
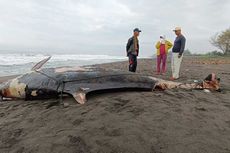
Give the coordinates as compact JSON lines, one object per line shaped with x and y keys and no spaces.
{"x":132,"y":63}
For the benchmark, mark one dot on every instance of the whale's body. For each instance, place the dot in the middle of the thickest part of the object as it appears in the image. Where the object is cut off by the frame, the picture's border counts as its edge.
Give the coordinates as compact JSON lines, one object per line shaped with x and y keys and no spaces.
{"x":79,"y":81}
{"x":75,"y":81}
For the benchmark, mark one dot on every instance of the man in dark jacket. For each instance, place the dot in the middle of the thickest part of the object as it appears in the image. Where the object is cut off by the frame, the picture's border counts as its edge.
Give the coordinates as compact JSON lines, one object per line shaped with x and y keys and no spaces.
{"x":132,"y":49}
{"x":177,"y":53}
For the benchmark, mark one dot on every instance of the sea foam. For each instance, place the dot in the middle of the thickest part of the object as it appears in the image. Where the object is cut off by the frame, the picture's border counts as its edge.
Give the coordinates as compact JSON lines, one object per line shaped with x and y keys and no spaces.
{"x":11,"y":64}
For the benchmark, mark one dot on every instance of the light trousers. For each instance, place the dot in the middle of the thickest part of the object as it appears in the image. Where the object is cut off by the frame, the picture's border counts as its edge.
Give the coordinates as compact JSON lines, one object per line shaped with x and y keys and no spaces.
{"x":175,"y":63}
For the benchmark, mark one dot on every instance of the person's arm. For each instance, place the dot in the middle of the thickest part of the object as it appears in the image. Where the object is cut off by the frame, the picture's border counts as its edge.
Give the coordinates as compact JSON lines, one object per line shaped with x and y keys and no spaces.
{"x":183,"y":40}
{"x":129,"y":43}
{"x":138,"y":47}
{"x":169,"y":44}
{"x":158,"y":44}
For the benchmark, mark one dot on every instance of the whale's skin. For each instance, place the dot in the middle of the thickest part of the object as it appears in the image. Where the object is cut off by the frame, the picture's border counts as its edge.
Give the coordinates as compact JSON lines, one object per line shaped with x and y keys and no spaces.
{"x":76,"y":81}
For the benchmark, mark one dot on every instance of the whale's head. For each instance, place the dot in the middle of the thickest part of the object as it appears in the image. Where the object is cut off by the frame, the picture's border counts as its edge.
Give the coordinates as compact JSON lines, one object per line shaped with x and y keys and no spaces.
{"x":3,"y":87}
{"x":12,"y":89}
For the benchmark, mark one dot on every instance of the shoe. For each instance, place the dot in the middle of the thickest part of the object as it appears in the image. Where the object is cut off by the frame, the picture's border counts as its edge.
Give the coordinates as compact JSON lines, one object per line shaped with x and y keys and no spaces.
{"x":158,"y":73}
{"x":163,"y":74}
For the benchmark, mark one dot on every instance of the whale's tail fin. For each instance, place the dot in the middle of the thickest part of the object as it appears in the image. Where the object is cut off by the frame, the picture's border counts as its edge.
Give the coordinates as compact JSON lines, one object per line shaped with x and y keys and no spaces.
{"x":40,"y":64}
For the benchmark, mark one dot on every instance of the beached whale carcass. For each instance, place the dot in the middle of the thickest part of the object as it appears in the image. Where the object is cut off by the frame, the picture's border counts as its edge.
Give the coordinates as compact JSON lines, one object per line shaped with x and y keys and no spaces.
{"x":76,"y":81}
{"x":79,"y":81}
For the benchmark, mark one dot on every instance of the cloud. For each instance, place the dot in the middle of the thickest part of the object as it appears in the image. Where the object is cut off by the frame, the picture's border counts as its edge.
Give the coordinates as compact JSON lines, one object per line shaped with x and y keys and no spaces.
{"x":103,"y":27}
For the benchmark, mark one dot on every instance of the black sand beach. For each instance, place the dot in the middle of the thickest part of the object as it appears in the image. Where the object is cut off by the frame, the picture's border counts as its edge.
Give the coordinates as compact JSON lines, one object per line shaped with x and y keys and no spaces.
{"x":173,"y":121}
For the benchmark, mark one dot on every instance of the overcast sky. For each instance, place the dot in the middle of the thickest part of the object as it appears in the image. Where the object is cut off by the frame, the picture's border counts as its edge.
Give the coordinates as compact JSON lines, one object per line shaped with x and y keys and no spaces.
{"x":103,"y":26}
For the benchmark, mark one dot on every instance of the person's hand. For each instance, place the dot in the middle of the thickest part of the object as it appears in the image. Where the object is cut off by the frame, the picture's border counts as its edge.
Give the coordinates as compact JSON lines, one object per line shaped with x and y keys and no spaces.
{"x":179,"y":56}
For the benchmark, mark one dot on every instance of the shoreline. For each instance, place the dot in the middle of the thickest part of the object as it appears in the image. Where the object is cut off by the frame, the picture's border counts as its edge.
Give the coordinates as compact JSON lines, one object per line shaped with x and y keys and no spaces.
{"x":3,"y":78}
{"x":199,"y":60}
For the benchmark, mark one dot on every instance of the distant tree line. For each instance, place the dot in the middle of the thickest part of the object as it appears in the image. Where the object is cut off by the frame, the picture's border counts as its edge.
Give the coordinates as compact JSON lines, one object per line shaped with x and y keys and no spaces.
{"x":222,"y":41}
{"x":187,"y":52}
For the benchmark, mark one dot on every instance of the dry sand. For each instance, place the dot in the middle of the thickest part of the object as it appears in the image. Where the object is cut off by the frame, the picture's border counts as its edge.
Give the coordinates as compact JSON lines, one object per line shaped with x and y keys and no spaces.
{"x":175,"y":121}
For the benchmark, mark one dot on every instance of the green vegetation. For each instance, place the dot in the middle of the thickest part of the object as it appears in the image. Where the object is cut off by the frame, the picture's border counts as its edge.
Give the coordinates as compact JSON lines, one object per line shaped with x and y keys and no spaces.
{"x":222,"y":41}
{"x":209,"y":54}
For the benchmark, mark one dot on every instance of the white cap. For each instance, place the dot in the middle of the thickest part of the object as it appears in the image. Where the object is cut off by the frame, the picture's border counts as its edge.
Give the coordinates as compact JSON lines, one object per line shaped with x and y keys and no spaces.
{"x":162,"y":36}
{"x":177,"y":29}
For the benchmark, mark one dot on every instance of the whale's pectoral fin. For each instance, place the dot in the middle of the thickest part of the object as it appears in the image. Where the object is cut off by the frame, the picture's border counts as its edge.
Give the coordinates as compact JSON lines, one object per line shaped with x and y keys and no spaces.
{"x":80,"y":95}
{"x":40,"y":64}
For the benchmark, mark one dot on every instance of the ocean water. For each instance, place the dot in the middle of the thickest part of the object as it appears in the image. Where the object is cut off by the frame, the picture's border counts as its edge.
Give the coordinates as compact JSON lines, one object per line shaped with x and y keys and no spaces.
{"x":14,"y":64}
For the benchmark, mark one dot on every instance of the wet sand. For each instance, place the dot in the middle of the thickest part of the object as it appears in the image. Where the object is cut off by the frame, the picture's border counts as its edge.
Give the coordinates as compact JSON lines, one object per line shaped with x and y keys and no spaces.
{"x":173,"y":121}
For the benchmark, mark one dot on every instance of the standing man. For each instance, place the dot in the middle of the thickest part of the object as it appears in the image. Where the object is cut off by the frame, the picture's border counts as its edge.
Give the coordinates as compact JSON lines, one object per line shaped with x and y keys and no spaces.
{"x":132,"y":49}
{"x":177,"y":53}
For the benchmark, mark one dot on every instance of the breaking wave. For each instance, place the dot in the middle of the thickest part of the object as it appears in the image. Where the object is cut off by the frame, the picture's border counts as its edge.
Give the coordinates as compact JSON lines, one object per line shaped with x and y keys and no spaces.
{"x":18,"y":59}
{"x":11,"y":64}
